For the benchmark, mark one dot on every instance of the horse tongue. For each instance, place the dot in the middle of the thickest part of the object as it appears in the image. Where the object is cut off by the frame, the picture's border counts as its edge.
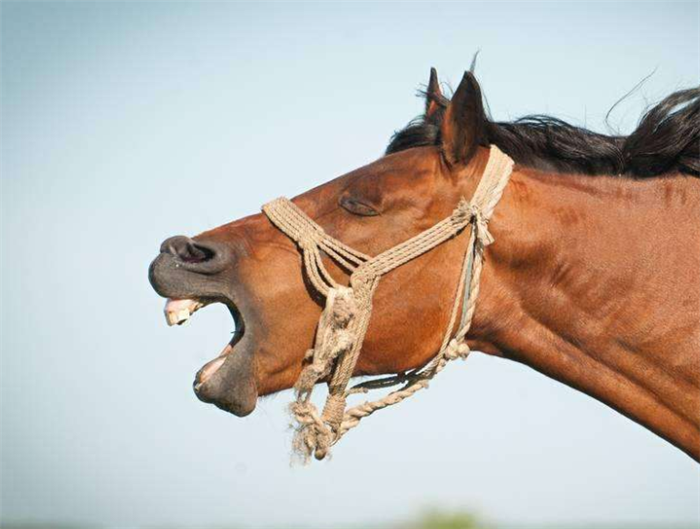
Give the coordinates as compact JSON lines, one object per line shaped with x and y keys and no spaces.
{"x":178,"y":311}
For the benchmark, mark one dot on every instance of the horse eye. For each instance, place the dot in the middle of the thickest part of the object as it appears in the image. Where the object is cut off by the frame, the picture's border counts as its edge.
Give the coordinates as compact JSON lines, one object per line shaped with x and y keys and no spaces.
{"x":356,"y":207}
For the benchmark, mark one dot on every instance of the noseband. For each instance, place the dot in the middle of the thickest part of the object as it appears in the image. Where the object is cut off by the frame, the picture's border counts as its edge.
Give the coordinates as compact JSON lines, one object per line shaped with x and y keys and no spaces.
{"x":346,"y":315}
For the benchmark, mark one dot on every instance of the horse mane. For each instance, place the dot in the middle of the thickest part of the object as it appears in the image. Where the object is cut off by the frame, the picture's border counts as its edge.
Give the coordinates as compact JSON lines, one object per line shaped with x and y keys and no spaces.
{"x":666,"y":140}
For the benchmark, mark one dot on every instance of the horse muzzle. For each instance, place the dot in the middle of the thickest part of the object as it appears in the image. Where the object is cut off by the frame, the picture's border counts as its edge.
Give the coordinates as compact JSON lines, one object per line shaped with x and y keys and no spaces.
{"x":191,"y":274}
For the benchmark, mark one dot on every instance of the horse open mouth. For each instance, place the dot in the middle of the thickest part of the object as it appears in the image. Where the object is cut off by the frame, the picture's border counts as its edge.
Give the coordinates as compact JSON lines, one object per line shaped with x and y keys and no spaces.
{"x":220,"y":380}
{"x":179,"y":311}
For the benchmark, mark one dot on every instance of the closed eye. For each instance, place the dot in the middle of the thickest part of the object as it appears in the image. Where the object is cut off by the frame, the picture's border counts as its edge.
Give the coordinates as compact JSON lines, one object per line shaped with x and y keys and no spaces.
{"x":356,"y":207}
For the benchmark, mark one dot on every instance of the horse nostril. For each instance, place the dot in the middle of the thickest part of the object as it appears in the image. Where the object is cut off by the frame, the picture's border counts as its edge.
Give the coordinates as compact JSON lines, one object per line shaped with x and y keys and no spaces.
{"x":187,"y":250}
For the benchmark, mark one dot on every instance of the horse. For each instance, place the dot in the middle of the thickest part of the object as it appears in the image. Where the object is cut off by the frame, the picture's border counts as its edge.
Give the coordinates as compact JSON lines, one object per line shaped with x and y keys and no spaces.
{"x":593,"y":279}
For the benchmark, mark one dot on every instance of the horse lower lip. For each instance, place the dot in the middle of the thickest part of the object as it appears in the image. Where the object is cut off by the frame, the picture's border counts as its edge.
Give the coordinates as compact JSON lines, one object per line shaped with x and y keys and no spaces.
{"x":213,"y":366}
{"x":208,"y":370}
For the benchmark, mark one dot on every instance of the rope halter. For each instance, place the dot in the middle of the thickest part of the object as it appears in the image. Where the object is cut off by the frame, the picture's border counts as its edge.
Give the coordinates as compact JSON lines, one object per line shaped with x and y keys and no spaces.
{"x":346,"y":315}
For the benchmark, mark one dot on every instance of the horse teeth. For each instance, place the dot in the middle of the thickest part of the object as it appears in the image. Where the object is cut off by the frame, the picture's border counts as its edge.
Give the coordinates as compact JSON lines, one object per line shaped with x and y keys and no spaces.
{"x":177,"y":318}
{"x":178,"y":312}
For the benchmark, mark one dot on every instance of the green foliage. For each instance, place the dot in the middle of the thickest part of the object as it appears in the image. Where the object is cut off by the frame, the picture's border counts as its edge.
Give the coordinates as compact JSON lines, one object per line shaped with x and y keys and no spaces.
{"x":448,"y":520}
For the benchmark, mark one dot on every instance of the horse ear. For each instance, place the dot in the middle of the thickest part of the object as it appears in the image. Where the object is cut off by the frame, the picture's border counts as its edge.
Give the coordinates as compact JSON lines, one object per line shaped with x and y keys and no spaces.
{"x":433,"y":95}
{"x":464,"y":125}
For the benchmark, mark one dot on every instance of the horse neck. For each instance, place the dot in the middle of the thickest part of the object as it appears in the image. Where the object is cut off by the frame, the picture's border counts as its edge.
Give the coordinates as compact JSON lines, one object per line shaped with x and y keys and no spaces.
{"x":594,"y":282}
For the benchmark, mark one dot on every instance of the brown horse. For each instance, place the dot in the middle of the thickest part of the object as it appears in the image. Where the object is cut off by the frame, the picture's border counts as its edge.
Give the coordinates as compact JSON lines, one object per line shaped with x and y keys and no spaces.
{"x":594,"y":278}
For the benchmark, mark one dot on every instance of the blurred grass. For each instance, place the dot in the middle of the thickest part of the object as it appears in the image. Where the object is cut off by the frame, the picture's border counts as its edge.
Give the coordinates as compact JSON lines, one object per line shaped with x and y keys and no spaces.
{"x":432,"y":519}
{"x":447,"y":520}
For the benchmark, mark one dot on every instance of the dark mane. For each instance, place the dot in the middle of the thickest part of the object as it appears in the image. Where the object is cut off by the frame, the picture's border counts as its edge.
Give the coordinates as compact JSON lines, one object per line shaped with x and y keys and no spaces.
{"x":667,"y":140}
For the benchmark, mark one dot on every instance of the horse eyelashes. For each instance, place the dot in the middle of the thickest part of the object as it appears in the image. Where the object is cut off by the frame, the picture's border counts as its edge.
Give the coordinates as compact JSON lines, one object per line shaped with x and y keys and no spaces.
{"x":357,"y":207}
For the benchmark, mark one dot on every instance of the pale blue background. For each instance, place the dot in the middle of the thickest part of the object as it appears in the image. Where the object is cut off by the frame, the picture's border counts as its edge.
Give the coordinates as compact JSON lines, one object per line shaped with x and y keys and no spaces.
{"x":125,"y":123}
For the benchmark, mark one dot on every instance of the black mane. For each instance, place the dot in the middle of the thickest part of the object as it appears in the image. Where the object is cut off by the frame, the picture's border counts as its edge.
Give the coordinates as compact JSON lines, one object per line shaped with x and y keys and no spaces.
{"x":667,"y":140}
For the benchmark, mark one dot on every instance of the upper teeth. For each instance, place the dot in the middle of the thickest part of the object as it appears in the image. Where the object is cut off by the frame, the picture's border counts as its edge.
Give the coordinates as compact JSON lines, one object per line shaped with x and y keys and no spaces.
{"x":179,"y":311}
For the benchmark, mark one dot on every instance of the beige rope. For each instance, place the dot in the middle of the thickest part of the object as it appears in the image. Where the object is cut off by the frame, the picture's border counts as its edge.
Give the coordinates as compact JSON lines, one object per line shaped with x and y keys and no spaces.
{"x":346,"y":316}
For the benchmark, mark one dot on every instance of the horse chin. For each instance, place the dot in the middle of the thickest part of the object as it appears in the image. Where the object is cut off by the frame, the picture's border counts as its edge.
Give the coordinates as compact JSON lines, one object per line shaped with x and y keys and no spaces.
{"x":228,"y":381}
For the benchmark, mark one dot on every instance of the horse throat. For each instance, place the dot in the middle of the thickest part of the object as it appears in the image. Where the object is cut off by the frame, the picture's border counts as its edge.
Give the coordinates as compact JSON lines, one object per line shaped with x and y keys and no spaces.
{"x":595,"y":282}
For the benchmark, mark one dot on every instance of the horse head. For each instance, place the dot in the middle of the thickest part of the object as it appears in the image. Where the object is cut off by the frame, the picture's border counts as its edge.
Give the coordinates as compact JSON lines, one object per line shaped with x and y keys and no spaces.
{"x":255,"y":270}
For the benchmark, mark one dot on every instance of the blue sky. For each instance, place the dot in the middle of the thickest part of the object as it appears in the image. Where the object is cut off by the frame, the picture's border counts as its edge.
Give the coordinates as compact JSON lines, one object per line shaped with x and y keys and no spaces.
{"x":124,"y":123}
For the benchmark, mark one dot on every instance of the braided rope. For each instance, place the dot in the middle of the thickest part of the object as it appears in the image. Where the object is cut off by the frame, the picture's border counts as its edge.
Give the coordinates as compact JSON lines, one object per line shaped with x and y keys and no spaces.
{"x":346,"y":316}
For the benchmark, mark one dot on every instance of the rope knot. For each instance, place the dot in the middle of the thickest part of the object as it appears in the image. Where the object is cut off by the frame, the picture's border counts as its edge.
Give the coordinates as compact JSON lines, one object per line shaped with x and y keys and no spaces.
{"x":481,"y":226}
{"x":334,"y":411}
{"x":343,"y":343}
{"x":312,"y":435}
{"x":344,"y":308}
{"x":456,"y":350}
{"x":308,"y":241}
{"x":462,"y":213}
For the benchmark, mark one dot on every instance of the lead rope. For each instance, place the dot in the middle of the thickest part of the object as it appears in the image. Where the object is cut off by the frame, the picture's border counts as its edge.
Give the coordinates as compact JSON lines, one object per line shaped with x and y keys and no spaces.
{"x":345,"y":318}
